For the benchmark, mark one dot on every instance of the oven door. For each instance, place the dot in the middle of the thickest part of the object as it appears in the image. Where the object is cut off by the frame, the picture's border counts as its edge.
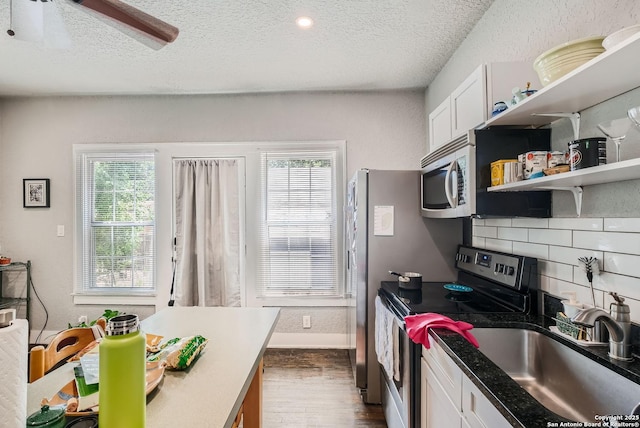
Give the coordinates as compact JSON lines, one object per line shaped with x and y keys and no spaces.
{"x":401,"y":398}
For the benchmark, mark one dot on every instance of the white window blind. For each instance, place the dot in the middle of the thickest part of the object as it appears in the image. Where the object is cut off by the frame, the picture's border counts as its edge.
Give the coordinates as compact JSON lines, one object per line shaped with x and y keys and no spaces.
{"x":298,"y":234}
{"x":117,"y":200}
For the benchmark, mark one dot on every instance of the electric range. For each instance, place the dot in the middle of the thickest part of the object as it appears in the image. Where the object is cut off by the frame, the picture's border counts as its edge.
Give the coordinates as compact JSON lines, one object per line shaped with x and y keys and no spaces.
{"x":434,"y":297}
{"x":487,"y":282}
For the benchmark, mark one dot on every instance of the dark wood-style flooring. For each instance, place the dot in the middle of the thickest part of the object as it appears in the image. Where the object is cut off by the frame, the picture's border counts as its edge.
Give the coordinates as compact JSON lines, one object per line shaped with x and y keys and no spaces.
{"x":309,"y":388}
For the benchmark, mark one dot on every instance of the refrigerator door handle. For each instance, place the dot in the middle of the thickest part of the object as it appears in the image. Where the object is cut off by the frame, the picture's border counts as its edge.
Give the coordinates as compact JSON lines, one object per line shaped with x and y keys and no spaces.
{"x":448,"y":178}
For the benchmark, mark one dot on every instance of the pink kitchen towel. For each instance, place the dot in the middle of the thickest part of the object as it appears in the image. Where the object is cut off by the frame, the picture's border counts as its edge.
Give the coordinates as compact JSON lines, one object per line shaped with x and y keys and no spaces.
{"x":418,"y":326}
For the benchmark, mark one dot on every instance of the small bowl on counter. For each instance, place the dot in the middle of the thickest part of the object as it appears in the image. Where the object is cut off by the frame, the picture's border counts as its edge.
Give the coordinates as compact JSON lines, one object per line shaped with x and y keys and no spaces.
{"x":4,"y":261}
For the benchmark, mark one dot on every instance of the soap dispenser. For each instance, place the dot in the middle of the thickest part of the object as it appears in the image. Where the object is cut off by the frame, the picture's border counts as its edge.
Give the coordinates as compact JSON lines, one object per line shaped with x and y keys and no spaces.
{"x":621,"y":313}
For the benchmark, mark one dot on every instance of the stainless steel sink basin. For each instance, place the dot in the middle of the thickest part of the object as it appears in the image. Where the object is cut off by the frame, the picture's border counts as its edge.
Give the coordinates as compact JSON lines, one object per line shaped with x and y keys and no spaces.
{"x":561,"y":379}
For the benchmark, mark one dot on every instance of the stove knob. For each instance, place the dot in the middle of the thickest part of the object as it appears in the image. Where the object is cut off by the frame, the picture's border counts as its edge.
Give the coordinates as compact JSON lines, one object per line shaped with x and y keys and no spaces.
{"x":510,"y":271}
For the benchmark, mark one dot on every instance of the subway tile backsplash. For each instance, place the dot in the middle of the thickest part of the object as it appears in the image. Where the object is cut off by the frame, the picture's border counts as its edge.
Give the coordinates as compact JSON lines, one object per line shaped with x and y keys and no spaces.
{"x":622,"y":225}
{"x":558,"y":242}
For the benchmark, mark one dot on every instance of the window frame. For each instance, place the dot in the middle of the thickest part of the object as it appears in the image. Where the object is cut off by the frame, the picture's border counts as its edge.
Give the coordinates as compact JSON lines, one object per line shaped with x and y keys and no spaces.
{"x":254,"y":209}
{"x":250,"y":152}
{"x":83,"y":294}
{"x":280,"y":291}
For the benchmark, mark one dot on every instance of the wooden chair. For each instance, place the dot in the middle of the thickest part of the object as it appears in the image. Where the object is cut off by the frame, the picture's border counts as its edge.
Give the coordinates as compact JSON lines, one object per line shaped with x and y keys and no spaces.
{"x":66,"y":344}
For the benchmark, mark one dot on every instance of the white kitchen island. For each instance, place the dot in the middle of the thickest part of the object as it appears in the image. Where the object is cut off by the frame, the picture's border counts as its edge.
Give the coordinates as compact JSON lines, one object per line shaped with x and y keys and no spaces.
{"x":211,"y":393}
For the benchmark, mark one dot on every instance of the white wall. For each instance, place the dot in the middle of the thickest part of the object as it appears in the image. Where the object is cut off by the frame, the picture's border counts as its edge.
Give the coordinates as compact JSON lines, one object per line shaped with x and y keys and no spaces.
{"x":383,"y":130}
{"x":520,"y":30}
{"x":609,"y":227}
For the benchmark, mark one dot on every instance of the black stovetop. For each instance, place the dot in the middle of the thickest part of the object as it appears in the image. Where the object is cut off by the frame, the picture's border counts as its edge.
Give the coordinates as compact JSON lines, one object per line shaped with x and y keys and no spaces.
{"x":433,"y":297}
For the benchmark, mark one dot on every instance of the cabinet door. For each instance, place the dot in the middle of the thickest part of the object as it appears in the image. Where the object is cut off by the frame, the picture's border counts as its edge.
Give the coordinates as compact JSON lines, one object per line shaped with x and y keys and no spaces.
{"x":440,"y":125}
{"x":446,"y":372}
{"x":468,"y":103}
{"x":478,"y":410}
{"x":437,"y":410}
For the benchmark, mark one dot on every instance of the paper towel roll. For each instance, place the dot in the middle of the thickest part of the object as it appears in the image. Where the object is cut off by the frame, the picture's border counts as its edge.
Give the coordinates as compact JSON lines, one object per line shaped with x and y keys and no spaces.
{"x":14,"y":349}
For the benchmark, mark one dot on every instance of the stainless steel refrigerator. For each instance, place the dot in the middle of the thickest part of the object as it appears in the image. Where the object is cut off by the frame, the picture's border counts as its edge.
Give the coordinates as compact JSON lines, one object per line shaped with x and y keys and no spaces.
{"x":385,"y":231}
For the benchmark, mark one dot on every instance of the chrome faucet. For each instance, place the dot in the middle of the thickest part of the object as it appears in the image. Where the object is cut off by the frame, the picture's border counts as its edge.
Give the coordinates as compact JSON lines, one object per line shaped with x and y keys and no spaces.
{"x":617,"y":322}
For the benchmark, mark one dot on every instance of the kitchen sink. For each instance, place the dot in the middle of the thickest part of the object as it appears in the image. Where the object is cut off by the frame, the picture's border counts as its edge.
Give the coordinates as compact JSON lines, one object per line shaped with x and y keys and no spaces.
{"x":561,"y":379}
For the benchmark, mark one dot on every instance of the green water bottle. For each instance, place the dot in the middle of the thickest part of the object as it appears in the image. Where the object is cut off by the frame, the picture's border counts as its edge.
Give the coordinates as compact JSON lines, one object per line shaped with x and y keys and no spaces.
{"x":122,"y":400}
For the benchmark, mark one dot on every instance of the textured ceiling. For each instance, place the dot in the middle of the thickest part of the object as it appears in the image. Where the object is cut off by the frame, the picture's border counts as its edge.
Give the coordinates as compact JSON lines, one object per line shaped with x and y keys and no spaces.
{"x":239,"y":46}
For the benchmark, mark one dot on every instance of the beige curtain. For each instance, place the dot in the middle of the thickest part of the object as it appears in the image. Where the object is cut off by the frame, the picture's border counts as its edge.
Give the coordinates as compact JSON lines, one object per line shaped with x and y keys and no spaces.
{"x":207,"y":232}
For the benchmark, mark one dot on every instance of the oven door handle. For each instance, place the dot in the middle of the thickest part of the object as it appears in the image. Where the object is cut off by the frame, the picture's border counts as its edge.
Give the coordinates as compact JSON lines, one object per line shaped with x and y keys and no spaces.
{"x":452,"y":174}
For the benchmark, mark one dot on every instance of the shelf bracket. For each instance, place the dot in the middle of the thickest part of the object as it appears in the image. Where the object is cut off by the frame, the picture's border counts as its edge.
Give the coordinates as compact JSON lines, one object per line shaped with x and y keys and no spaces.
{"x":577,"y":195}
{"x":573,"y":117}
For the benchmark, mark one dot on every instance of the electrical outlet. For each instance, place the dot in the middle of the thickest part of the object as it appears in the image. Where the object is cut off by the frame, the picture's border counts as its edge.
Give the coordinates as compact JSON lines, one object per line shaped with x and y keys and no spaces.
{"x":306,"y":321}
{"x":82,"y":319}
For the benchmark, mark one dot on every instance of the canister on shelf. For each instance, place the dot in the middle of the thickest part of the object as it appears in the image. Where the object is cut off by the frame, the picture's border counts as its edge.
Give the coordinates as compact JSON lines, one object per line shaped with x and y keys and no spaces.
{"x":533,"y":163}
{"x":587,"y":152}
{"x":497,"y":171}
{"x":557,"y":158}
{"x":511,"y":172}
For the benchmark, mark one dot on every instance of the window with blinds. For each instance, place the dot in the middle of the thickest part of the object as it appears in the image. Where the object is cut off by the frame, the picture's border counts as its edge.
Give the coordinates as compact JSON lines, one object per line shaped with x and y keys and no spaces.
{"x":117,"y":199}
{"x":299,"y":225}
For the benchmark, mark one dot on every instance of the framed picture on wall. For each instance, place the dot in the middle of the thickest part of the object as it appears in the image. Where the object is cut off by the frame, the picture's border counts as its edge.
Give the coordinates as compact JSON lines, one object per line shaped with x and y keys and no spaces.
{"x":35,"y":193}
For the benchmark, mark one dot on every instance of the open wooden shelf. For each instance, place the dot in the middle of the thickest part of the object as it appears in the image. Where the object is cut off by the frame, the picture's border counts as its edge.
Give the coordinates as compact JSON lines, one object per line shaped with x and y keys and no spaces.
{"x":574,"y":181}
{"x":610,"y":74}
{"x":618,"y":171}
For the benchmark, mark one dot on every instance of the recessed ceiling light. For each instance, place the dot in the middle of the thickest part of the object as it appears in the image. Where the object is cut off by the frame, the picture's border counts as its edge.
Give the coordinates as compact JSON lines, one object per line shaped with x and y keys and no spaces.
{"x":304,"y":22}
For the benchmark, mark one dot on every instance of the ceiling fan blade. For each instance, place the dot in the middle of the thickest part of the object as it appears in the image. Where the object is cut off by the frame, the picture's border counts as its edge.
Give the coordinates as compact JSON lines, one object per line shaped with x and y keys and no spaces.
{"x":132,"y":17}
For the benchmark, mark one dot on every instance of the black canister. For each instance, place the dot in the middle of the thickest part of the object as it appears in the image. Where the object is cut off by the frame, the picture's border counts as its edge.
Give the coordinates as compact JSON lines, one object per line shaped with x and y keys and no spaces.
{"x":587,"y":152}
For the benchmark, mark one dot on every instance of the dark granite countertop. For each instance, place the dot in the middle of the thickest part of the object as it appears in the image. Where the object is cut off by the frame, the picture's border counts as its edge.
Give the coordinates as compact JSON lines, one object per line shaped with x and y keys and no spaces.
{"x":513,"y":402}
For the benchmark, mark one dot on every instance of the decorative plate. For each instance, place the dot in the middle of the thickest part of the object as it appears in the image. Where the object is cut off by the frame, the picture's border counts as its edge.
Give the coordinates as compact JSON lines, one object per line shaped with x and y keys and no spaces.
{"x":458,"y":287}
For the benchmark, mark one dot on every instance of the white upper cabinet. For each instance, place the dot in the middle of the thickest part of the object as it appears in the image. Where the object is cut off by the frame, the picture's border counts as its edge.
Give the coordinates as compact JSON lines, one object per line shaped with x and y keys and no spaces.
{"x":468,"y":103}
{"x":471,"y":103}
{"x":440,"y":124}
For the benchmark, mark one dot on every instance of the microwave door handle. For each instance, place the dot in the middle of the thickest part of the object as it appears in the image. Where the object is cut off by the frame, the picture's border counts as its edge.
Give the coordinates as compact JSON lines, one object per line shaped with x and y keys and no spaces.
{"x":453,"y":199}
{"x":454,"y":185}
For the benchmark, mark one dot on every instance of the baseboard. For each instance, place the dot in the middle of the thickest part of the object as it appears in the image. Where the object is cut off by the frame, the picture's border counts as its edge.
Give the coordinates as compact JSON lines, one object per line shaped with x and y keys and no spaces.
{"x":309,"y":341}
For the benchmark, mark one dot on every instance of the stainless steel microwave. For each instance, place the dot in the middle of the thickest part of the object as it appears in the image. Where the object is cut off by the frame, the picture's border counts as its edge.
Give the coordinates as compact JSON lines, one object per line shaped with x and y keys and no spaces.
{"x":447,"y":179}
{"x":455,"y":177}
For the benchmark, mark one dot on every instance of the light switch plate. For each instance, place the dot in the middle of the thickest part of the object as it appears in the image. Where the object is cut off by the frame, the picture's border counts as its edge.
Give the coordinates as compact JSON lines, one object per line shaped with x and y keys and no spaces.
{"x":61,"y":230}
